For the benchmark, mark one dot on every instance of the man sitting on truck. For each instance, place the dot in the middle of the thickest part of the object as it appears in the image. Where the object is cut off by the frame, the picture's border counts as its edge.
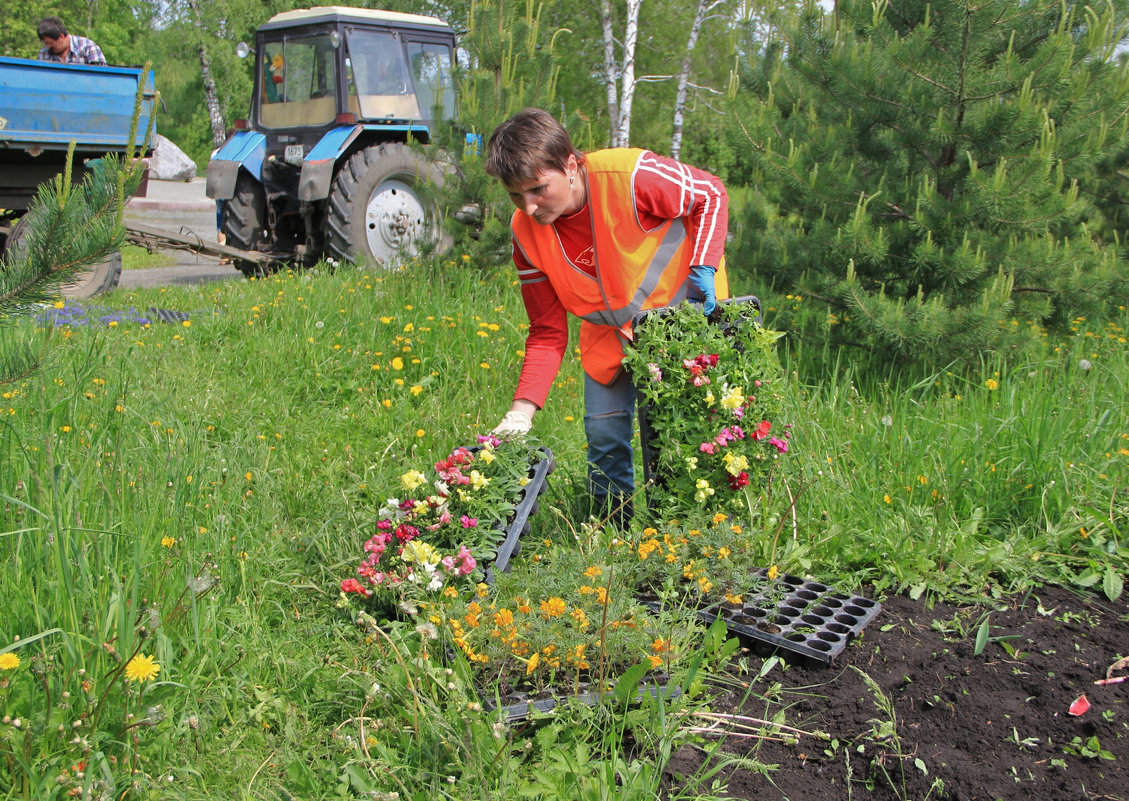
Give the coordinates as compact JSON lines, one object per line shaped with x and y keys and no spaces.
{"x":68,"y":48}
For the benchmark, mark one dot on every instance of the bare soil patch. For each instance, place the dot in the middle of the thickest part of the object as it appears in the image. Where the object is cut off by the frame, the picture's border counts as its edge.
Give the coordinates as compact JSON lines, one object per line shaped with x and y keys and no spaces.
{"x":967,"y":726}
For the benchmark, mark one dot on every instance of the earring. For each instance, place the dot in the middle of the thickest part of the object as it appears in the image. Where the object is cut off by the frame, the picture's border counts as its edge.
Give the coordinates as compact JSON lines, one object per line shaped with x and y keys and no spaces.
{"x":571,"y":178}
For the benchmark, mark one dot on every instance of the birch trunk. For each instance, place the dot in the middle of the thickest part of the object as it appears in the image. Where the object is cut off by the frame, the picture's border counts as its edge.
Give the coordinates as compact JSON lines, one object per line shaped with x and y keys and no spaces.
{"x":622,"y":136}
{"x":684,"y":75}
{"x":212,"y":99}
{"x":611,"y":73}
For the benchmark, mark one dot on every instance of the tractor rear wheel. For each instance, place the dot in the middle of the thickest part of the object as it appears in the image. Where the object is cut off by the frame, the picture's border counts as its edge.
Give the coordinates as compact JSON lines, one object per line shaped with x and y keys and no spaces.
{"x":382,"y":208}
{"x":244,"y":220}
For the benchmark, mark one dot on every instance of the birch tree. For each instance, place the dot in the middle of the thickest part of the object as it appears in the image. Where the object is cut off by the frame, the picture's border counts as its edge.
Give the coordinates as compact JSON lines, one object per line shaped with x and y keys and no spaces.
{"x":700,"y":16}
{"x":619,"y":76}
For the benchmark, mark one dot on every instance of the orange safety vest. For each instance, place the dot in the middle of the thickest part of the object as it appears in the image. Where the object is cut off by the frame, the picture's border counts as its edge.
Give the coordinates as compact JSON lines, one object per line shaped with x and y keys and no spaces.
{"x":636,"y":268}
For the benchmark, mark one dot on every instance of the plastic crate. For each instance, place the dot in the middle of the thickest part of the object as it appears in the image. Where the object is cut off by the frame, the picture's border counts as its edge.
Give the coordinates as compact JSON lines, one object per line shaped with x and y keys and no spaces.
{"x":518,"y":525}
{"x":650,"y":455}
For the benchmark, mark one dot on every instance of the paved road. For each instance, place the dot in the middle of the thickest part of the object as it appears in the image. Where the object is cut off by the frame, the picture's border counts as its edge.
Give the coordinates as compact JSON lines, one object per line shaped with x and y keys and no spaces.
{"x":179,"y":207}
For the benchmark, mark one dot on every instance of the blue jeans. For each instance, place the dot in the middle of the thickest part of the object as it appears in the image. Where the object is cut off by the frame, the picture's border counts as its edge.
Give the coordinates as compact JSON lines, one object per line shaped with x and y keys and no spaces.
{"x":608,"y":418}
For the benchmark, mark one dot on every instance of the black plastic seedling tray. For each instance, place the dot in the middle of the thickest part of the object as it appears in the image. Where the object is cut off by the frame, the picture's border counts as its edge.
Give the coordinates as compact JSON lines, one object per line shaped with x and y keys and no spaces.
{"x":651,"y":474}
{"x":526,"y":508}
{"x":801,"y":618}
{"x":516,"y":707}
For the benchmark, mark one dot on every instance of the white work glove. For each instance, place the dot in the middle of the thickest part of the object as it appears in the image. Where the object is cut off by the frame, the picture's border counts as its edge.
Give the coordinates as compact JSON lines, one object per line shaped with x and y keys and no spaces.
{"x":514,"y":424}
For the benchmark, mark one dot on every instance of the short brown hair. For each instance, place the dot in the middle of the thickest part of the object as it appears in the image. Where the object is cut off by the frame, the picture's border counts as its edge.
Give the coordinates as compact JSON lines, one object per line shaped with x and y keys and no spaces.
{"x":51,"y":28}
{"x":527,"y":144}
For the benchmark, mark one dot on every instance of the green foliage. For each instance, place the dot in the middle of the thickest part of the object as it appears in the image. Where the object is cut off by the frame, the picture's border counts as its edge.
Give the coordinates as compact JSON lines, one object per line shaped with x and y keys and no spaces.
{"x":185,"y":493}
{"x":921,"y":165}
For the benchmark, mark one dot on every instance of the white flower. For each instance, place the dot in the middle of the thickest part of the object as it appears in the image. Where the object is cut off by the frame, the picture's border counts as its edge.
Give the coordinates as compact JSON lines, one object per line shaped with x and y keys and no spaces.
{"x":1084,"y":364}
{"x":887,"y":420}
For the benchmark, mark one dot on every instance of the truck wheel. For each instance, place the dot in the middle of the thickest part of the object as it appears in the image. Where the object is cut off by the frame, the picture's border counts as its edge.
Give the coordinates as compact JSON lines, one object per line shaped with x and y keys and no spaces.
{"x":380,"y":209}
{"x":99,"y":278}
{"x":244,"y":221}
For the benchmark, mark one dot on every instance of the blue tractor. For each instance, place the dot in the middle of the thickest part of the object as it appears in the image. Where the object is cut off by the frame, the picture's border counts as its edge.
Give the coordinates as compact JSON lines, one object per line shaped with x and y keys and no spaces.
{"x":329,"y":164}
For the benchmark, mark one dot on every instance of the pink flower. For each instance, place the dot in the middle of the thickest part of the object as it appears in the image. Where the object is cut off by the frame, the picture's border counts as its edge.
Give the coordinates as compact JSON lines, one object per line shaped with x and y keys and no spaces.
{"x":781,"y":445}
{"x":739,"y":412}
{"x":384,"y":525}
{"x":762,"y":429}
{"x":656,"y":373}
{"x":707,"y":447}
{"x":489,"y":439}
{"x":352,"y":585}
{"x":468,"y":522}
{"x":700,"y":380}
{"x":448,"y":563}
{"x":468,"y":563}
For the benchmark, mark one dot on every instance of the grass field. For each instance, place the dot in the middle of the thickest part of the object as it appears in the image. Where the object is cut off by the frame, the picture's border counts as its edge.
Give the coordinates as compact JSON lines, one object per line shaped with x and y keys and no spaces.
{"x":194,"y":492}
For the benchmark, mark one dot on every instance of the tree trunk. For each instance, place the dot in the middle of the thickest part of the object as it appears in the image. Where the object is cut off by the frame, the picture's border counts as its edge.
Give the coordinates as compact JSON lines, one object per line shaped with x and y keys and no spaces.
{"x":211,"y":97}
{"x":622,"y":136}
{"x":611,"y":82}
{"x":684,"y":75}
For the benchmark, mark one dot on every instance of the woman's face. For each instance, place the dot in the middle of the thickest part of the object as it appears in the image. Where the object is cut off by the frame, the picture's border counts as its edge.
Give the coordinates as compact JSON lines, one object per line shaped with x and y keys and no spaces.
{"x":550,"y":195}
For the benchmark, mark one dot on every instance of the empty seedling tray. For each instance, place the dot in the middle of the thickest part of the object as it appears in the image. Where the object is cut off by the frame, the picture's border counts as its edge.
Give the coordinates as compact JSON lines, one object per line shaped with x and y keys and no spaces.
{"x":526,"y":508}
{"x":794,"y":615}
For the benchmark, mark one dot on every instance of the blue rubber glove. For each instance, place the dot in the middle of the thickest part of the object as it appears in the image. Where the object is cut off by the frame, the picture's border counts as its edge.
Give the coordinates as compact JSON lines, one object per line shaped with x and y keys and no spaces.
{"x":701,"y":279}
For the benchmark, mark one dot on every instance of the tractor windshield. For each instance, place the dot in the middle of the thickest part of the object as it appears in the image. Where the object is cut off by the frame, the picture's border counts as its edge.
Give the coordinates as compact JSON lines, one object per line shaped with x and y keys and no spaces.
{"x":394,"y":80}
{"x":299,"y":82}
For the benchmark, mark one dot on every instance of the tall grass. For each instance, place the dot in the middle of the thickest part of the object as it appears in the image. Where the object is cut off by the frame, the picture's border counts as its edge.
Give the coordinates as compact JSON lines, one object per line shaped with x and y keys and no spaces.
{"x":192,"y":492}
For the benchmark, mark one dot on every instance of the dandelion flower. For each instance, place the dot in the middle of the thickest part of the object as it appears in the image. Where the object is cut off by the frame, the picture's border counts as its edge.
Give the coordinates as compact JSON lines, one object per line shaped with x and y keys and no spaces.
{"x":142,"y":668}
{"x":9,"y":661}
{"x":992,"y":384}
{"x":168,"y":541}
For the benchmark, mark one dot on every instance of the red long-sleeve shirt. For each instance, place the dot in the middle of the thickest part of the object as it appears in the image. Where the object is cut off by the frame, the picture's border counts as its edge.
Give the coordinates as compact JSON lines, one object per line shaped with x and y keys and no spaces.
{"x":665,"y":189}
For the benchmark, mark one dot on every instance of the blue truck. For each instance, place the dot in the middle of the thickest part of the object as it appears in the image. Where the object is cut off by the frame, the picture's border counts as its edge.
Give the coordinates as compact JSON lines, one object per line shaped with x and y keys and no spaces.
{"x":329,"y":163}
{"x":45,"y":106}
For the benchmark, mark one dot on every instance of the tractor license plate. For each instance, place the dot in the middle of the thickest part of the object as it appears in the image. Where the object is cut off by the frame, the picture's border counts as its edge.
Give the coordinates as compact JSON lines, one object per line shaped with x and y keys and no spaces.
{"x":295,"y":154}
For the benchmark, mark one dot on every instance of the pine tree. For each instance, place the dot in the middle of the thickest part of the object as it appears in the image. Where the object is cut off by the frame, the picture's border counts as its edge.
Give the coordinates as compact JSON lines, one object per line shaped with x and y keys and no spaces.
{"x":921,"y":167}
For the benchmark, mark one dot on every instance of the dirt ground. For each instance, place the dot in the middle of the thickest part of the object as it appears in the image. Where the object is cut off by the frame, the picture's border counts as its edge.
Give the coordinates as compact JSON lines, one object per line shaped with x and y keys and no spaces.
{"x":967,"y":727}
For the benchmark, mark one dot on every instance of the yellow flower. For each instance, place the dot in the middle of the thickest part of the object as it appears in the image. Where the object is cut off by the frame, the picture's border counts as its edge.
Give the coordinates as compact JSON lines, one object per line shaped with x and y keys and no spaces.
{"x":773,"y":572}
{"x":733,"y":599}
{"x":553,"y":607}
{"x":412,"y":479}
{"x":656,"y":661}
{"x":504,"y":618}
{"x":9,"y":661}
{"x":992,"y":384}
{"x":477,"y":480}
{"x":482,"y":590}
{"x":734,"y":397}
{"x":421,"y":433}
{"x":531,"y":665}
{"x":487,"y":456}
{"x":450,"y":592}
{"x":397,"y":363}
{"x":187,"y":323}
{"x":142,"y":668}
{"x":593,"y":571}
{"x":168,"y":541}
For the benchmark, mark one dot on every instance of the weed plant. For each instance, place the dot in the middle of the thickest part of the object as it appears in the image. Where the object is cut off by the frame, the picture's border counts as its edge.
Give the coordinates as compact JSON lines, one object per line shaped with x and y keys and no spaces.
{"x":179,"y":502}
